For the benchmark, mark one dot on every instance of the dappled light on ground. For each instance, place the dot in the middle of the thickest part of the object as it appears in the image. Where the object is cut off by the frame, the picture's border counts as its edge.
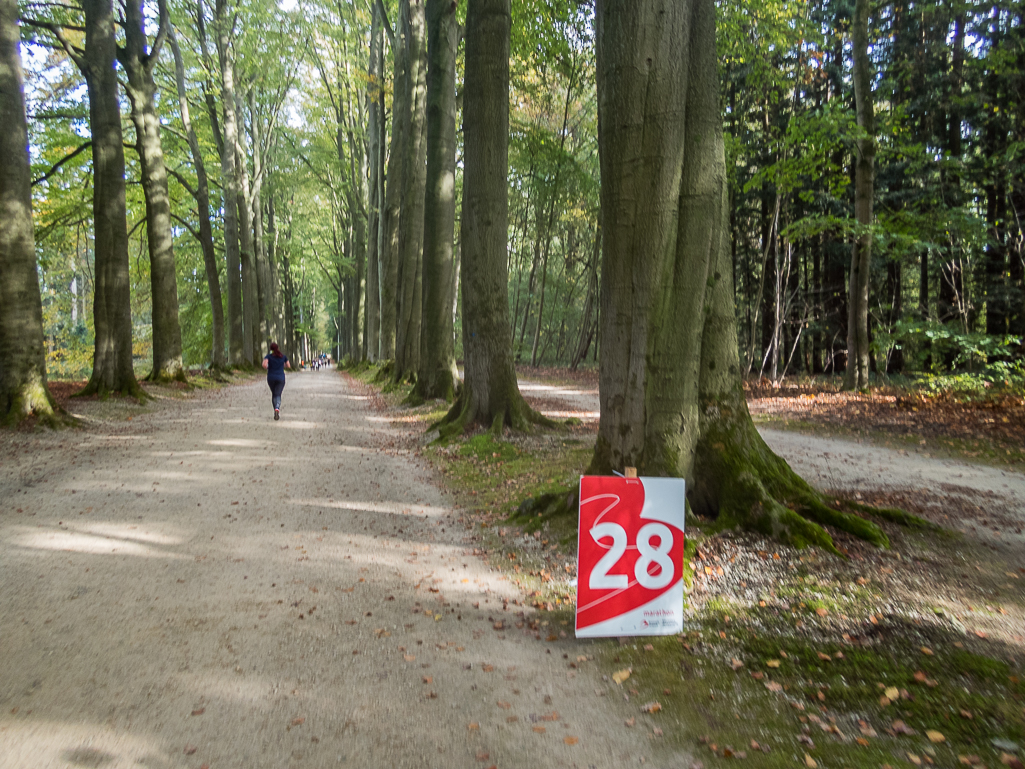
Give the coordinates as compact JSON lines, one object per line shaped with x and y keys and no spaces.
{"x":46,"y":743}
{"x":87,"y":542}
{"x":392,"y":508}
{"x":246,"y":443}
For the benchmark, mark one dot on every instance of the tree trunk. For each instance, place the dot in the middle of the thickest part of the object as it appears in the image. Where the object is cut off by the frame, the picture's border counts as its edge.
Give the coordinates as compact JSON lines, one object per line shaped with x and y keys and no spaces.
{"x":112,"y":309}
{"x":237,"y":351}
{"x":139,"y":64}
{"x":437,"y":374}
{"x":375,"y":131}
{"x":490,"y":394}
{"x":586,"y":326}
{"x":252,"y":344}
{"x":278,"y":305}
{"x":411,"y":224}
{"x":202,"y":195}
{"x":858,"y":352}
{"x":264,"y":286}
{"x":672,"y":402}
{"x":1015,"y":237}
{"x":23,"y":391}
{"x":393,"y":201}
{"x":895,"y":293}
{"x":952,"y":301}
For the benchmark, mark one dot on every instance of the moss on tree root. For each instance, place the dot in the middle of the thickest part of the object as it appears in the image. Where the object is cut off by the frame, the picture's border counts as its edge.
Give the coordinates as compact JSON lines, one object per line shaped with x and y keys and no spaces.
{"x":133,"y":390}
{"x":385,"y":373}
{"x":894,"y":515}
{"x":466,"y":412}
{"x":739,"y":481}
{"x":168,"y":375}
{"x":441,"y":386}
{"x":33,"y":400}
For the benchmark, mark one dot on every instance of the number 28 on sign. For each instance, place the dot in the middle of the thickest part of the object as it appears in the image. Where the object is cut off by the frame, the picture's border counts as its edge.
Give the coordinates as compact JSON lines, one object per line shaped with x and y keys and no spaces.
{"x":630,"y":556}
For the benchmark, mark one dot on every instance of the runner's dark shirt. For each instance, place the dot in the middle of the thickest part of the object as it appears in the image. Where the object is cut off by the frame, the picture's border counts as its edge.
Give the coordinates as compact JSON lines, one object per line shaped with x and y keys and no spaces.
{"x":276,"y":368}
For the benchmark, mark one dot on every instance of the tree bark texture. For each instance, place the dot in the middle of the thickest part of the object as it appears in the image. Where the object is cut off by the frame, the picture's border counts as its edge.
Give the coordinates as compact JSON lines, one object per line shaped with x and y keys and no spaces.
{"x":437,"y":374}
{"x":206,"y":238}
{"x":112,"y":309}
{"x":264,"y":284}
{"x":251,"y":341}
{"x":23,"y":391}
{"x":411,"y":224}
{"x":375,"y":138}
{"x":490,"y":395}
{"x":229,"y":182}
{"x":672,"y":403}
{"x":393,"y":194}
{"x":139,"y":64}
{"x":858,"y":352}
{"x":277,"y":289}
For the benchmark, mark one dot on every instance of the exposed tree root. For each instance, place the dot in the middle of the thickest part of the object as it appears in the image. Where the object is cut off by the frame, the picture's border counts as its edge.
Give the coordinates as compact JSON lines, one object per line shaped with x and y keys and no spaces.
{"x":33,"y":401}
{"x":741,"y":483}
{"x":894,"y":515}
{"x":384,"y":374}
{"x":218,"y":373}
{"x":414,"y":399}
{"x":534,"y":511}
{"x":95,"y":387}
{"x":506,"y":409}
{"x":442,"y":384}
{"x":168,"y":374}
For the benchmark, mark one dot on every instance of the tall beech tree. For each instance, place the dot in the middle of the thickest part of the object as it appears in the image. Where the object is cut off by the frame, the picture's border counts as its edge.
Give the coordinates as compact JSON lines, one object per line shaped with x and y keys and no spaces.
{"x":375,"y":163}
{"x":139,"y":63}
{"x":437,"y":374}
{"x":490,"y":394}
{"x":112,"y":309}
{"x":414,"y":182}
{"x":201,"y":193}
{"x":251,"y":342}
{"x":392,"y":210}
{"x":225,"y":22}
{"x":23,"y":390}
{"x":672,"y":403}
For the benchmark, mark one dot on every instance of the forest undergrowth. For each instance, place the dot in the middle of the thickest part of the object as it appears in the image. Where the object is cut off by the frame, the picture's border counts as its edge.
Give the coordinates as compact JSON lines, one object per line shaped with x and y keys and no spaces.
{"x":904,"y":657}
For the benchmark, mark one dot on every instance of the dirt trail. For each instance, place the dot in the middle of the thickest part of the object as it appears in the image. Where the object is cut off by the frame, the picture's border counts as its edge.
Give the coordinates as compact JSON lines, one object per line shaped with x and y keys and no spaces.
{"x":203,"y":586}
{"x":835,"y":463}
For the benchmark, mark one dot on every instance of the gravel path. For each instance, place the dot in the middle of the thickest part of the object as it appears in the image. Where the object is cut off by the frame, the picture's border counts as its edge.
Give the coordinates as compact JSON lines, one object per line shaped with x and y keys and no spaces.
{"x":205,"y":587}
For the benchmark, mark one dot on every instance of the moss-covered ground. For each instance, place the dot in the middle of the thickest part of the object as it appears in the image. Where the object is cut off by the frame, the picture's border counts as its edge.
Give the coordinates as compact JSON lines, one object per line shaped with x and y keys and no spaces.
{"x":911,"y":656}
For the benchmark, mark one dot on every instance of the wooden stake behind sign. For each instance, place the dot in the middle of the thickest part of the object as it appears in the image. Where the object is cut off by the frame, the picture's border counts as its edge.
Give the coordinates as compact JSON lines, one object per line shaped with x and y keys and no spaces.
{"x":630,"y":472}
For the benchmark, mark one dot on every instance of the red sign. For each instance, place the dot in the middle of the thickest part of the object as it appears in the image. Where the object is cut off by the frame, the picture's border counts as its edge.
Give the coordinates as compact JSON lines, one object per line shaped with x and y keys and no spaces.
{"x":630,"y":556}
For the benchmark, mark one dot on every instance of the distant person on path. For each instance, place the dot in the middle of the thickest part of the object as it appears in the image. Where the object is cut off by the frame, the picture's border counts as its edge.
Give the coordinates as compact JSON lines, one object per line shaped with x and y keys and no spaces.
{"x":276,"y":362}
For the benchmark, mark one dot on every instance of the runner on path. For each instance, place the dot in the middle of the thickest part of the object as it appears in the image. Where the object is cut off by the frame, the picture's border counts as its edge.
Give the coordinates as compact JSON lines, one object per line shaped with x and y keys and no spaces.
{"x":275,"y":363}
